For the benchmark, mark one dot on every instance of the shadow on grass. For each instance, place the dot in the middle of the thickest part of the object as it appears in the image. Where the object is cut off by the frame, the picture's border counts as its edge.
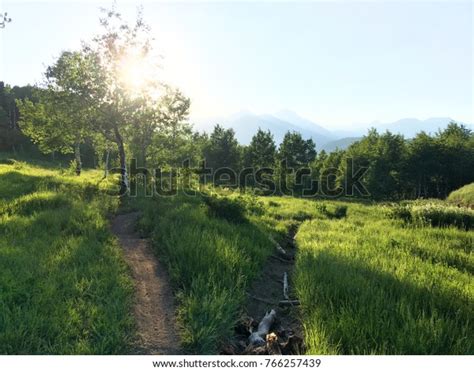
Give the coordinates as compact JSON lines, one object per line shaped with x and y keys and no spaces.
{"x":349,"y":308}
{"x":14,"y":184}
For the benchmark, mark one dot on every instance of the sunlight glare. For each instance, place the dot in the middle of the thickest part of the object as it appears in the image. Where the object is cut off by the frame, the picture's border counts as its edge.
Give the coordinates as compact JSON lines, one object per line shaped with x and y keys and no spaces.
{"x":137,"y":73}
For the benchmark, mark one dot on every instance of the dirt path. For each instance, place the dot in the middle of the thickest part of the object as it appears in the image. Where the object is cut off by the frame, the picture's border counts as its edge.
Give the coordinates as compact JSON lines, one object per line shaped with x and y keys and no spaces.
{"x":154,"y":307}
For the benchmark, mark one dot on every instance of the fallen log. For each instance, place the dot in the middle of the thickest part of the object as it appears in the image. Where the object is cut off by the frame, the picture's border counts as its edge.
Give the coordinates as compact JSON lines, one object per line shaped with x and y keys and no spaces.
{"x":280,"y":249}
{"x":258,"y":337}
{"x":288,"y":303}
{"x":285,"y":286}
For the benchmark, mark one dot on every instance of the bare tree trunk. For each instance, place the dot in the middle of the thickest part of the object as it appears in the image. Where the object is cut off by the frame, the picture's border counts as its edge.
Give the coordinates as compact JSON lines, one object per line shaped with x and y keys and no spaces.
{"x":106,"y":167}
{"x":144,"y":155}
{"x":77,"y":156}
{"x":124,"y":184}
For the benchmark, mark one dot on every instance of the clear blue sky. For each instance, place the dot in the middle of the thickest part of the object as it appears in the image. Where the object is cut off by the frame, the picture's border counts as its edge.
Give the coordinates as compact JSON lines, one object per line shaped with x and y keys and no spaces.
{"x":338,"y":63}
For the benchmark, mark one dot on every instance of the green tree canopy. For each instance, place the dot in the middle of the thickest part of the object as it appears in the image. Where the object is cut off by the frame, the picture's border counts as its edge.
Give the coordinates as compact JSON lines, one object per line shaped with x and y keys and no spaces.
{"x":222,"y":149}
{"x":297,"y":151}
{"x":261,"y":152}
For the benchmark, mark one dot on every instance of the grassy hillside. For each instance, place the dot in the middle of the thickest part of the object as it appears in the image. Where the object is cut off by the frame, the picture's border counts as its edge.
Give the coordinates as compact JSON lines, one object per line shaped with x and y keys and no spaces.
{"x":463,"y":196}
{"x":370,"y":284}
{"x":369,"y":281}
{"x":64,"y":286}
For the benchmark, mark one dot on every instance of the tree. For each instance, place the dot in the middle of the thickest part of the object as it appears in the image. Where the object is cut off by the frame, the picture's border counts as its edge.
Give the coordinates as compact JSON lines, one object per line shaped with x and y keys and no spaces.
{"x":4,"y":19}
{"x":330,"y":172}
{"x":45,"y":127}
{"x":222,"y":150}
{"x":423,"y":166}
{"x":317,"y":164}
{"x":115,"y":75}
{"x":11,"y":137}
{"x":456,"y":144}
{"x":296,"y":151}
{"x":261,"y":151}
{"x":61,"y":120}
{"x":384,"y":157}
{"x":169,"y":130}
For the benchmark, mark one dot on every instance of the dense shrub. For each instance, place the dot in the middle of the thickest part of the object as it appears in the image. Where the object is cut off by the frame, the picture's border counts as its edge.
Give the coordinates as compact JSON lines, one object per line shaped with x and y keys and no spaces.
{"x":337,"y":212}
{"x":251,"y":203}
{"x":340,"y":212}
{"x":443,"y":216}
{"x":301,"y":216}
{"x":398,"y":211}
{"x":322,"y":208}
{"x":226,"y":208}
{"x":434,"y":214}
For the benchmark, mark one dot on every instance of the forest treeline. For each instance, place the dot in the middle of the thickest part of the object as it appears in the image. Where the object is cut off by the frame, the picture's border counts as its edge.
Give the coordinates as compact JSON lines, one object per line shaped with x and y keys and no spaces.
{"x":424,"y":166}
{"x":89,"y":112}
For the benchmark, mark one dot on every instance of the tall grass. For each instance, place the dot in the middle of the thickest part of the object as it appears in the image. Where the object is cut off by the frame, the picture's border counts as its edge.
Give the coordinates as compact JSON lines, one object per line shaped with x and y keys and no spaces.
{"x":214,"y":246}
{"x":368,"y":285}
{"x":211,"y":260}
{"x":65,"y":288}
{"x":436,"y":214}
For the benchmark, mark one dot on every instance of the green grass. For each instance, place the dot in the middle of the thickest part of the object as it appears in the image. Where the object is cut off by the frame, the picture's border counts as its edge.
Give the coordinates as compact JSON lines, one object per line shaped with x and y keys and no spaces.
{"x":433,"y":213}
{"x":65,"y":288}
{"x":214,"y":247}
{"x":211,"y":262}
{"x":369,"y":284}
{"x":463,"y":196}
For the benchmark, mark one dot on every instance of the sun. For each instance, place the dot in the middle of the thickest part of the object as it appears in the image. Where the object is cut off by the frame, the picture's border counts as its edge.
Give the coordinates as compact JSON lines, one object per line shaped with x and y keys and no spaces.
{"x":132,"y":74}
{"x":136,"y":73}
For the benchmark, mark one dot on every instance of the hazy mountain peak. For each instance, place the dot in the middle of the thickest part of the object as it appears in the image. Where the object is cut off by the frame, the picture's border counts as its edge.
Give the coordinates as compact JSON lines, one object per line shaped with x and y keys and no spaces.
{"x":294,"y":118}
{"x":246,"y":123}
{"x":241,"y":113}
{"x":287,"y":113}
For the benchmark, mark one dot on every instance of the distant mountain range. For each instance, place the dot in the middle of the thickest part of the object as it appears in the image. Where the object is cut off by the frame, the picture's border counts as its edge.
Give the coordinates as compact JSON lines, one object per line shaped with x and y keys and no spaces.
{"x":246,"y":123}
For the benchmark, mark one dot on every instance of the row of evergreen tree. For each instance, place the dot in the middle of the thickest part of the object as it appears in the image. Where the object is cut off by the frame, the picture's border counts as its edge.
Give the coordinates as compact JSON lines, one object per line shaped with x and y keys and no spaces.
{"x":395,"y":167}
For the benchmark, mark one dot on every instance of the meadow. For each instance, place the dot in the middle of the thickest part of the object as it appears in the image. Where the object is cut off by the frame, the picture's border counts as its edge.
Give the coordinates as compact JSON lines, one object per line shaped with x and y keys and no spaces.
{"x":64,"y":286}
{"x":373,"y":285}
{"x":368,"y":281}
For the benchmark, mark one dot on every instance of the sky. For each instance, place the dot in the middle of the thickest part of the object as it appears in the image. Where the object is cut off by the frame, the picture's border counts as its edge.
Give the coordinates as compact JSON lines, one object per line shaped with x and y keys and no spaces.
{"x":337,"y":63}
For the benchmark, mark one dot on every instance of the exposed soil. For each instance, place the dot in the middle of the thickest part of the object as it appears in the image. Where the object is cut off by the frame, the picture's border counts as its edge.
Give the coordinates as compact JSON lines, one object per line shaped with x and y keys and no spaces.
{"x":265,"y":295}
{"x":154,"y":308}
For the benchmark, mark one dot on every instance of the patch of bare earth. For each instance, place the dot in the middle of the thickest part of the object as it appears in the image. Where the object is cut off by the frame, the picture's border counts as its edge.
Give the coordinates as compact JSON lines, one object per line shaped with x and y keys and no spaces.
{"x":154,"y":308}
{"x":266,"y":293}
